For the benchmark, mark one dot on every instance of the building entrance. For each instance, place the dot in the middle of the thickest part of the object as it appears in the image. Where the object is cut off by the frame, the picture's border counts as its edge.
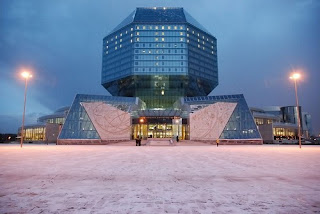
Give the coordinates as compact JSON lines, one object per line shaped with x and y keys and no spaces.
{"x":158,"y":128}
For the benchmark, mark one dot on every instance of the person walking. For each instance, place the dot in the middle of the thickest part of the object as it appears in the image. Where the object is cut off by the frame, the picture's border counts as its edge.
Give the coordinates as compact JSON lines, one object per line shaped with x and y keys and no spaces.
{"x":218,"y":142}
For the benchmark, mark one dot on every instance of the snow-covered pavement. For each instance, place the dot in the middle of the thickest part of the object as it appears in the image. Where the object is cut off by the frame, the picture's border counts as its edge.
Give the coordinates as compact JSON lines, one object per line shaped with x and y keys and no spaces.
{"x":159,"y":179}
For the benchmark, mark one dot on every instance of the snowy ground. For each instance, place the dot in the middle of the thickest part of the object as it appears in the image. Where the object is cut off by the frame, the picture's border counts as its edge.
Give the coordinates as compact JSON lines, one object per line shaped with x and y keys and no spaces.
{"x":159,"y":179}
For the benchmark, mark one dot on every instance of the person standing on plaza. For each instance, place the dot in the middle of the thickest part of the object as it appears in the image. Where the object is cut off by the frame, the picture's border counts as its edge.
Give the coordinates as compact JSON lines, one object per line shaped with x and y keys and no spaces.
{"x":218,"y":142}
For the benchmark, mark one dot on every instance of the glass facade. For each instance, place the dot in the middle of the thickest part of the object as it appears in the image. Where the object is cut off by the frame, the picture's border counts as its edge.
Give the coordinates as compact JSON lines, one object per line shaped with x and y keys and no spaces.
{"x":78,"y":124}
{"x":159,"y":55}
{"x":241,"y":124}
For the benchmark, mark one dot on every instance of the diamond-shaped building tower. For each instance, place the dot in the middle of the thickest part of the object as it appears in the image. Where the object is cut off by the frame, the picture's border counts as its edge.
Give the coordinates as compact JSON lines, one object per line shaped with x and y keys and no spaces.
{"x":159,"y":55}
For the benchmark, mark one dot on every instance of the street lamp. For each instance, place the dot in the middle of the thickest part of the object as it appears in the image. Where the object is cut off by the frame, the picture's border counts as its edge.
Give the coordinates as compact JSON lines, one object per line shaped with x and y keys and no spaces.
{"x":141,"y":122}
{"x":26,"y":75}
{"x":295,"y":77}
{"x":177,"y":121}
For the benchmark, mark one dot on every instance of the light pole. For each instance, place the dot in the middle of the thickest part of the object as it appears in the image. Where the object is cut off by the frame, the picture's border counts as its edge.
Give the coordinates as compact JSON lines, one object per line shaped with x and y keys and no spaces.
{"x":141,"y":122}
{"x":295,"y":77}
{"x":177,"y":121}
{"x":26,"y":75}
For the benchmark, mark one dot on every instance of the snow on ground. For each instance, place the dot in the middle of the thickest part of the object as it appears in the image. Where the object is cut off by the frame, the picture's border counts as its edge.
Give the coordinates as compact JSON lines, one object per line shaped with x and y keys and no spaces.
{"x":159,"y":179}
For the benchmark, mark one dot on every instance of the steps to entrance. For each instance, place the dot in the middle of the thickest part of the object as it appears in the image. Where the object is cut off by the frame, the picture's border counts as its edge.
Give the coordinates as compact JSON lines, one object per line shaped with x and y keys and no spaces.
{"x":160,"y":142}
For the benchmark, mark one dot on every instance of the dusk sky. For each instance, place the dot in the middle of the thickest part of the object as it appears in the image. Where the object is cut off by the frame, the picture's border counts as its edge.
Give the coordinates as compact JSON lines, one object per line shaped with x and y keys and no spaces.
{"x":259,"y":44}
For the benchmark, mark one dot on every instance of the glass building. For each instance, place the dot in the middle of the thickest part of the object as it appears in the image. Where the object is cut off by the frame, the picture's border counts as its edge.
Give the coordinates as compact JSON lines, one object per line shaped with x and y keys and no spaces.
{"x":159,"y":64}
{"x":159,"y":55}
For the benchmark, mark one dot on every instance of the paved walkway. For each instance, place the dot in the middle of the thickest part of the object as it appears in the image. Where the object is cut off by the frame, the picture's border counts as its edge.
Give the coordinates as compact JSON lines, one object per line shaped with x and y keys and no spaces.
{"x":167,"y":179}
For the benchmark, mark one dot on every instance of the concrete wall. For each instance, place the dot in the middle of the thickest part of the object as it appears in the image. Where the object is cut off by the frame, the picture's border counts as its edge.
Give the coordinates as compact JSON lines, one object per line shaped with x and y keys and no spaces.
{"x":110,"y":122}
{"x":208,"y":123}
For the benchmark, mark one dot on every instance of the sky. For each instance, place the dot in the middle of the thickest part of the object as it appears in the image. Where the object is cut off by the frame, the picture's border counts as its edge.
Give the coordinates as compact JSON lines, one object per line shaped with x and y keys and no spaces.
{"x":259,"y":44}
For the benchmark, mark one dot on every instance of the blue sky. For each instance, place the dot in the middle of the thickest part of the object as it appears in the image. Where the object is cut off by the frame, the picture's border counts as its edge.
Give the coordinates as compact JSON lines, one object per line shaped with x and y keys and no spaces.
{"x":259,"y":43}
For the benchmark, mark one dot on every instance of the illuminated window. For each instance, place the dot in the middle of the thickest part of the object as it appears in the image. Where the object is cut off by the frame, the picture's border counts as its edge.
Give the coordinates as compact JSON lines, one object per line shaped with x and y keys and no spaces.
{"x":137,"y":39}
{"x":181,"y":33}
{"x":131,"y":35}
{"x":137,"y":27}
{"x":212,"y":52}
{"x":169,"y":27}
{"x":156,"y":33}
{"x":116,"y":37}
{"x":156,"y":39}
{"x":131,"y":29}
{"x":202,"y":37}
{"x":107,"y":46}
{"x":143,"y":51}
{"x":126,"y":32}
{"x":198,"y":46}
{"x":120,"y":46}
{"x":120,"y":40}
{"x":107,"y":52}
{"x":202,"y":42}
{"x":156,"y":27}
{"x":131,"y":40}
{"x":193,"y":32}
{"x":115,"y":48}
{"x":203,"y":48}
{"x":175,"y":27}
{"x":198,"y":40}
{"x":162,"y":39}
{"x":162,"y":33}
{"x":162,"y":27}
{"x":212,"y":47}
{"x":187,"y":40}
{"x":137,"y":33}
{"x":259,"y":121}
{"x":181,"y":27}
{"x":187,"y":29}
{"x":181,"y":39}
{"x":198,"y":34}
{"x":107,"y":42}
{"x":116,"y":42}
{"x":144,"y":27}
{"x":120,"y":34}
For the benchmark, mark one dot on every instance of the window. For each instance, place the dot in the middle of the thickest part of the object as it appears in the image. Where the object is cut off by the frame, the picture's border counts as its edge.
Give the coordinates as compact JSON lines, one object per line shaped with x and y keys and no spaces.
{"x":137,"y":33}
{"x":136,"y":51}
{"x":259,"y":121}
{"x":162,"y":33}
{"x":137,"y":45}
{"x":144,"y":27}
{"x":181,"y":39}
{"x":175,"y":27}
{"x":162,"y":27}
{"x":156,"y":27}
{"x":156,"y":39}
{"x":120,"y":34}
{"x":137,"y":39}
{"x":136,"y":63}
{"x":169,"y":27}
{"x":162,"y":39}
{"x":137,"y":27}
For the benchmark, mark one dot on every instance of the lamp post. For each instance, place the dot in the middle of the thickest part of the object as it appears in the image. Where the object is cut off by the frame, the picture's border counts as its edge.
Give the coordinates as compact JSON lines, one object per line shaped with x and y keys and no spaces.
{"x":26,"y":75}
{"x":177,"y":121}
{"x":295,"y":77}
{"x":141,"y":122}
